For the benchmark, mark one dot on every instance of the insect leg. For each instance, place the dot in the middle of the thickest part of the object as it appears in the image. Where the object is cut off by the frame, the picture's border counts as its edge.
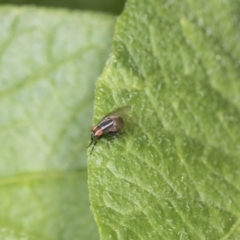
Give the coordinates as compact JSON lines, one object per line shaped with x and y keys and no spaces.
{"x":96,"y":140}
{"x":90,"y":143}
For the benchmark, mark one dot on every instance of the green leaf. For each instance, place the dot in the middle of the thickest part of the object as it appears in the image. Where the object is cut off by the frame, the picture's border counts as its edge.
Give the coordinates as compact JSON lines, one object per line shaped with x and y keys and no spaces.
{"x":175,"y":175}
{"x":49,"y":62}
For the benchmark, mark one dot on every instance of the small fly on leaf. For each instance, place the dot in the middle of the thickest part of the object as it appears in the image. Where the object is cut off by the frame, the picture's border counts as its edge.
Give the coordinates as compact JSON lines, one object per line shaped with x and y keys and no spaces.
{"x":109,"y":126}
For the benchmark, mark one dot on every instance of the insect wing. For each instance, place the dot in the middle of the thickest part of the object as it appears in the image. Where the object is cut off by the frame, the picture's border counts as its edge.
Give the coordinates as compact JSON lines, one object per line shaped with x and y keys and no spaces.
{"x":121,"y":112}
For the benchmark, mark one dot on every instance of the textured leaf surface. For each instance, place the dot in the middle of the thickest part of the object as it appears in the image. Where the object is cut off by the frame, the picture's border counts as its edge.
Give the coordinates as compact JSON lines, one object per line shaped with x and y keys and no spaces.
{"x":176,"y":174}
{"x":49,"y":62}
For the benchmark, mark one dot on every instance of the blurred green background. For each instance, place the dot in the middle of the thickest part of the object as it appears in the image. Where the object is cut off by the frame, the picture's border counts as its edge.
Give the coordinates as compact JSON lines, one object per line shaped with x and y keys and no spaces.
{"x":48,"y":51}
{"x":110,"y":6}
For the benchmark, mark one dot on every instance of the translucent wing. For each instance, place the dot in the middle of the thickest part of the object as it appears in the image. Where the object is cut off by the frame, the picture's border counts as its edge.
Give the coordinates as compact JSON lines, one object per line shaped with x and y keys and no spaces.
{"x":124,"y":113}
{"x":121,"y":112}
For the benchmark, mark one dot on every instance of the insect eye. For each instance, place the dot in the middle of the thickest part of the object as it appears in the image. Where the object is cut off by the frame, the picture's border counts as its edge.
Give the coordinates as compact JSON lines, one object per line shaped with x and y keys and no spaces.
{"x":98,"y":133}
{"x":94,"y":128}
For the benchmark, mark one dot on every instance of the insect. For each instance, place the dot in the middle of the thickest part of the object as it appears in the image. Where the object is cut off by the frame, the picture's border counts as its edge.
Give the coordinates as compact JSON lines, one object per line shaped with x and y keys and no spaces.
{"x":109,"y":126}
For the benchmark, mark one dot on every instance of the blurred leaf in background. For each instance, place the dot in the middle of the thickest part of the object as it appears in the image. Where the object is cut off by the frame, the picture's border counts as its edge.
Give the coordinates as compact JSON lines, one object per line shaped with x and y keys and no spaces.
{"x":49,"y":62}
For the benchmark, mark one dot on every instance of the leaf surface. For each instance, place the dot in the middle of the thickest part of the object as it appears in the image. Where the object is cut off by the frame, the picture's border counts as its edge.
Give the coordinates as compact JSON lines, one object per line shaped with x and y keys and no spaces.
{"x":175,"y":175}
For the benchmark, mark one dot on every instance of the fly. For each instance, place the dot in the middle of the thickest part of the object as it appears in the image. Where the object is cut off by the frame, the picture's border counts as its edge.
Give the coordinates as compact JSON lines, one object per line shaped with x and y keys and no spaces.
{"x":109,"y":126}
